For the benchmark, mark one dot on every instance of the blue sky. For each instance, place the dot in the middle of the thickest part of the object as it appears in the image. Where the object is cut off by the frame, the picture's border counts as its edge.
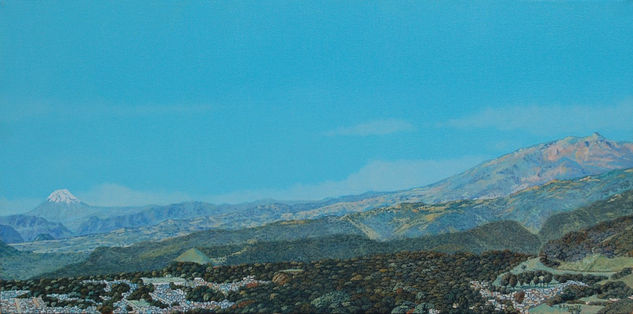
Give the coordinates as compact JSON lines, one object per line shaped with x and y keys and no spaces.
{"x":134,"y":103}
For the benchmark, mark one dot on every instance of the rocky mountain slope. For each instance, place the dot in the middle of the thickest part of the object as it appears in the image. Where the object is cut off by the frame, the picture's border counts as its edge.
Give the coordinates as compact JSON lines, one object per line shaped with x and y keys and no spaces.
{"x":571,"y":157}
{"x":530,"y":207}
{"x":568,"y":158}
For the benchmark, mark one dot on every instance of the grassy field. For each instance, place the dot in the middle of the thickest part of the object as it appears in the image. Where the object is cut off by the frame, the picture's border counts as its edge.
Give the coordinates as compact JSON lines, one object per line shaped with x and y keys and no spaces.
{"x":535,"y":264}
{"x":628,"y":280}
{"x":598,"y":263}
{"x":592,"y":265}
{"x":193,"y":255}
{"x":560,"y":309}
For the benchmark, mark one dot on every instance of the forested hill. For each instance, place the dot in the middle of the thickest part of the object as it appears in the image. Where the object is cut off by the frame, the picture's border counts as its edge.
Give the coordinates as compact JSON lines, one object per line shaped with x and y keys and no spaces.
{"x":610,"y":238}
{"x":615,"y":206}
{"x":147,"y":256}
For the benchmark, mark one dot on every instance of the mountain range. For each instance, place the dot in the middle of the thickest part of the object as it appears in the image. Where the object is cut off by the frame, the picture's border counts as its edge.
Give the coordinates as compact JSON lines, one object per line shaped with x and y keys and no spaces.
{"x":527,"y":186}
{"x":531,"y":208}
{"x":325,"y":235}
{"x":563,"y":185}
{"x":568,"y":158}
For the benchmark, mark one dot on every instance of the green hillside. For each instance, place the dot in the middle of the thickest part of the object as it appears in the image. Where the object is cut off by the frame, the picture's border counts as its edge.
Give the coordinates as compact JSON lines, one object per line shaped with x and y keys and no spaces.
{"x":615,"y":206}
{"x":16,"y":264}
{"x":151,"y":255}
{"x":193,"y":255}
{"x":147,"y":256}
{"x":493,"y":236}
{"x":610,"y":238}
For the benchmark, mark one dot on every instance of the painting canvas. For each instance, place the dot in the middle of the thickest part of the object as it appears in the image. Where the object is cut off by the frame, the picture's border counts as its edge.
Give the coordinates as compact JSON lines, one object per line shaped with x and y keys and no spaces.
{"x":316,"y":156}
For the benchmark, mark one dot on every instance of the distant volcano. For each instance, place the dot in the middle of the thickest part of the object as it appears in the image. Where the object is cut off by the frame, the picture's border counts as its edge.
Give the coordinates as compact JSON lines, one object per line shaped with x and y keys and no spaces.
{"x":62,"y":206}
{"x":62,"y":196}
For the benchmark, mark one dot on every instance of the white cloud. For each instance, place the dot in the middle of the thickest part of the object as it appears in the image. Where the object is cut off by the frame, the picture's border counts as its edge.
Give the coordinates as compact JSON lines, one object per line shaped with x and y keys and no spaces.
{"x":556,"y":119}
{"x":378,"y":127}
{"x":375,"y":176}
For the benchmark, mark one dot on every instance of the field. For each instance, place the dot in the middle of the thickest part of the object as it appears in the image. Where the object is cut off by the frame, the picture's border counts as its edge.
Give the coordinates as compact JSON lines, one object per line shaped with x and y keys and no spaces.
{"x":534,"y":264}
{"x":562,"y":309}
{"x":598,"y":263}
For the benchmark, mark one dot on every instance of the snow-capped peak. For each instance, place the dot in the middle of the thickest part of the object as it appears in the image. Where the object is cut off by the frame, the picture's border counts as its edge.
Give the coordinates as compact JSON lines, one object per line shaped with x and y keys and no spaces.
{"x":62,"y":196}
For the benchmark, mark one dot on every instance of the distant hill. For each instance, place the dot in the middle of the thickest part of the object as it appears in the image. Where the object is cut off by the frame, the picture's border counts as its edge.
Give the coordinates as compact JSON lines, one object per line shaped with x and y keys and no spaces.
{"x":494,"y":236}
{"x":615,"y":206}
{"x":149,"y":254}
{"x":16,"y":264}
{"x":9,"y":235}
{"x":299,"y":245}
{"x":6,"y":250}
{"x":194,"y":216}
{"x":154,"y":215}
{"x":83,"y":219}
{"x":610,"y":238}
{"x":30,"y":226}
{"x":193,"y":255}
{"x":43,"y":237}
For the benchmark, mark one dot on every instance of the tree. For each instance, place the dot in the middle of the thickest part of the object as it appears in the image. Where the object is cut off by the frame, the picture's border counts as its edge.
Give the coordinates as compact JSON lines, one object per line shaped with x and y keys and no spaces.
{"x":535,"y":280}
{"x":519,"y":297}
{"x":547,"y":278}
{"x":505,"y":280}
{"x":512,"y":281}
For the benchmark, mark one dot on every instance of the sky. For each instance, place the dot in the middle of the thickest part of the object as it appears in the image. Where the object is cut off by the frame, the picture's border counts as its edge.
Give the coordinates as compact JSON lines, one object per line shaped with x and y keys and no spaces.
{"x":131,"y":103}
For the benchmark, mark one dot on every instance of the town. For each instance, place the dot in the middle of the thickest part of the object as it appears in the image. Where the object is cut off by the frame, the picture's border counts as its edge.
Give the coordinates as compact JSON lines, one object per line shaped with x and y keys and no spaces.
{"x":166,"y":290}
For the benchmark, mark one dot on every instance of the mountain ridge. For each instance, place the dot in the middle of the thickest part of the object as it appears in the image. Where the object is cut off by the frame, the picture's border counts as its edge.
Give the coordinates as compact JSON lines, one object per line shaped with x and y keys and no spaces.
{"x":567,"y":158}
{"x":30,"y":226}
{"x":531,"y":207}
